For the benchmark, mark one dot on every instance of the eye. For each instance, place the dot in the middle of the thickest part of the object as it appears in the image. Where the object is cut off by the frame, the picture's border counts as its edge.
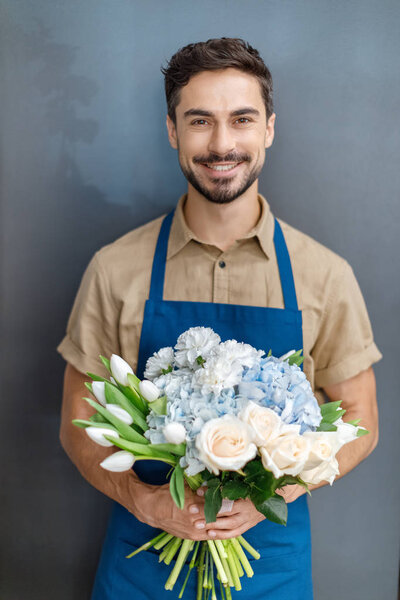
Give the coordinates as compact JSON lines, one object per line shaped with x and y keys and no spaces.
{"x":243,"y":120}
{"x":199,"y":122}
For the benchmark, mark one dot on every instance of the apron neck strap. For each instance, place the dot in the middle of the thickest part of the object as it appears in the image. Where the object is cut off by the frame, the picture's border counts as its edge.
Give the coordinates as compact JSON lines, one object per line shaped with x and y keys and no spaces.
{"x":285,"y":269}
{"x":160,"y":258}
{"x":282,"y":256}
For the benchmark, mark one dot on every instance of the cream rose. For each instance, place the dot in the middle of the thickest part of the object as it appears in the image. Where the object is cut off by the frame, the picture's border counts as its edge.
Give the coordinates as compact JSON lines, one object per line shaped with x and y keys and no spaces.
{"x":326,"y":471}
{"x":265,"y":422}
{"x":286,"y":454}
{"x":226,"y":444}
{"x":323,"y":448}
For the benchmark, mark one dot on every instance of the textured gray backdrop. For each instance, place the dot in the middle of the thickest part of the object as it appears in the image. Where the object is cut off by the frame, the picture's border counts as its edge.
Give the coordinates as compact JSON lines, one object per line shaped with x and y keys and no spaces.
{"x":85,"y":158}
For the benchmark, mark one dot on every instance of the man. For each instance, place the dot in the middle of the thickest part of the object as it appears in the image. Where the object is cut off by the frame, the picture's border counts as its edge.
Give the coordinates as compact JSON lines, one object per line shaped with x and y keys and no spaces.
{"x":221,"y":253}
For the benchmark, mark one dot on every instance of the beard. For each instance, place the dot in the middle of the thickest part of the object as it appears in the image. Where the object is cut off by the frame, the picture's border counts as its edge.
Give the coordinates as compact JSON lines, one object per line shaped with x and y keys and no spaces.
{"x":222,"y":192}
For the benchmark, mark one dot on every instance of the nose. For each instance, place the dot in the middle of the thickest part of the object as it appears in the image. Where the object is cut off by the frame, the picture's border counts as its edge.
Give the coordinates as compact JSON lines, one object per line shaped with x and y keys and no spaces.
{"x":221,"y":141}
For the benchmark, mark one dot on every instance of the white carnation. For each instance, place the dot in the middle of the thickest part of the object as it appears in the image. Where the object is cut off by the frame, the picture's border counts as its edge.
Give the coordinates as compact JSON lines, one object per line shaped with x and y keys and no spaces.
{"x":195,"y":342}
{"x":239,"y":352}
{"x":218,"y":373}
{"x":159,"y":362}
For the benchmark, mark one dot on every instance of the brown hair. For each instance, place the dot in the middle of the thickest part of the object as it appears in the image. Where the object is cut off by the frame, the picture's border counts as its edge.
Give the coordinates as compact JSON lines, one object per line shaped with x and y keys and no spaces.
{"x":214,"y":54}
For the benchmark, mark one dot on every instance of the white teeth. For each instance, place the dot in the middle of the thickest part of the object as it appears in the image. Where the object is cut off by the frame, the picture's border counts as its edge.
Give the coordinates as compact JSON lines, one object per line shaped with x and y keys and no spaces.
{"x":222,"y":167}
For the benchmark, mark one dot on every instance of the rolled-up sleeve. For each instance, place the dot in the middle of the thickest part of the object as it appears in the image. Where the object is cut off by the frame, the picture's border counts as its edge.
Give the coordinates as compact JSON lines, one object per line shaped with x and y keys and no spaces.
{"x":345,"y":344}
{"x":92,"y":327}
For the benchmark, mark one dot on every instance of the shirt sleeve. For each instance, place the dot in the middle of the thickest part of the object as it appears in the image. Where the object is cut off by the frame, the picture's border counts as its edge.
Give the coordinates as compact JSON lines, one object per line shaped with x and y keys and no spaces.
{"x":345,"y":344}
{"x":92,"y":327}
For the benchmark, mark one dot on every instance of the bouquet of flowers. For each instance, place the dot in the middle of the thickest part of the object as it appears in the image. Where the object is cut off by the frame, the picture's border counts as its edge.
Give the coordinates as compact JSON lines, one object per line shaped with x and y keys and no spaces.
{"x":223,"y":415}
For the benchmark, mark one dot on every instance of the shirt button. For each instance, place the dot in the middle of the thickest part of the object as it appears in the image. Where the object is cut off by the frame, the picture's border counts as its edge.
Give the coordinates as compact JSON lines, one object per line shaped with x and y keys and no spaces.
{"x":222,"y":264}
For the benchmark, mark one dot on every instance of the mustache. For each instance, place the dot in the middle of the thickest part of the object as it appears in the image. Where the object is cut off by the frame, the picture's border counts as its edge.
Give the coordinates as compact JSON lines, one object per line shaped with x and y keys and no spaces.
{"x":214,"y":158}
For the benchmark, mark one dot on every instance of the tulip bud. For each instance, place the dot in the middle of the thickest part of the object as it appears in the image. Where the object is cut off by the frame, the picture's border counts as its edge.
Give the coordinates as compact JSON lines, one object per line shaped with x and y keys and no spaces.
{"x":98,"y":392}
{"x":149,"y":391}
{"x":285,"y":356}
{"x":118,"y":462}
{"x":97,"y":435}
{"x":120,"y":369}
{"x":120,"y":413}
{"x":174,"y":433}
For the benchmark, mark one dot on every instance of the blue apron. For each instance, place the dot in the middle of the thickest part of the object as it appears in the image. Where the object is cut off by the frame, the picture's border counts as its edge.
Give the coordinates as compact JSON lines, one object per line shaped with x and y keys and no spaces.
{"x":284,"y":570}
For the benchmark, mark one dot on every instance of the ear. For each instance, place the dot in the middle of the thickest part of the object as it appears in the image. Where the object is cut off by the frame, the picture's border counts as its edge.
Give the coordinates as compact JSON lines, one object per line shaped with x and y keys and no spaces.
{"x":173,"y":140}
{"x":270,"y":131}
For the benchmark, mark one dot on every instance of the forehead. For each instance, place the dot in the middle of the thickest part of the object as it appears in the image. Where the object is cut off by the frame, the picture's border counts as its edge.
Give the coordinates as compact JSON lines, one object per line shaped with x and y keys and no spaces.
{"x":220,"y":91}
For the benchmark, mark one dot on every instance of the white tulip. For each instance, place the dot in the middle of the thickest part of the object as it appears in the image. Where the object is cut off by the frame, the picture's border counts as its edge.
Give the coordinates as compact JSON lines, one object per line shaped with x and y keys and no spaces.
{"x":149,"y":391}
{"x":174,"y":433}
{"x":118,"y":462}
{"x":120,"y":413}
{"x":285,"y":356}
{"x":97,"y":435}
{"x":120,"y":369}
{"x":98,"y":392}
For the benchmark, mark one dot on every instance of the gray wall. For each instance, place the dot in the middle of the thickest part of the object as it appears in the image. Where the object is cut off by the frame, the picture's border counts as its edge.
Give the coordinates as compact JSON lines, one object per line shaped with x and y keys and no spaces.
{"x":85,"y":158}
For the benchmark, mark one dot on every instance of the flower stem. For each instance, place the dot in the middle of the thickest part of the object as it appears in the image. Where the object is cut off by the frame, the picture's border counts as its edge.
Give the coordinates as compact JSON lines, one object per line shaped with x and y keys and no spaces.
{"x":173,"y":550}
{"x":147,"y":545}
{"x":200,"y":572}
{"x":232,"y":565}
{"x":187,"y":545}
{"x":217,"y":560}
{"x":191,"y":566}
{"x":161,"y":543}
{"x":242,"y":557}
{"x":166,"y":549}
{"x":238,"y":564}
{"x":248,"y":547}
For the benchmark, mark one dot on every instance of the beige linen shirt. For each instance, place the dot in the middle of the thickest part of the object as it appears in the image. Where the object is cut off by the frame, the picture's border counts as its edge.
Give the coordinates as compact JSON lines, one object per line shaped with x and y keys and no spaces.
{"x":108,"y":310}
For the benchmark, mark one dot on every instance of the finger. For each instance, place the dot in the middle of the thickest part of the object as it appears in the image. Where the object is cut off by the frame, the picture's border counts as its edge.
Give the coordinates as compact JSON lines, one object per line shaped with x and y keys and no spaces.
{"x":231,"y":522}
{"x":226,"y":534}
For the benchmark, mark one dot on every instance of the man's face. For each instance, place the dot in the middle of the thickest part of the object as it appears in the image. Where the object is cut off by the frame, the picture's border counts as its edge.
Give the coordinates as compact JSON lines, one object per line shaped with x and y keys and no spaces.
{"x":221,"y":133}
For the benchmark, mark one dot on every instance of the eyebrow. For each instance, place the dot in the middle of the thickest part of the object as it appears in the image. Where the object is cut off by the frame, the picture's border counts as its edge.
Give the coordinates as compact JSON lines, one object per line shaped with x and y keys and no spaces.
{"x":199,"y":112}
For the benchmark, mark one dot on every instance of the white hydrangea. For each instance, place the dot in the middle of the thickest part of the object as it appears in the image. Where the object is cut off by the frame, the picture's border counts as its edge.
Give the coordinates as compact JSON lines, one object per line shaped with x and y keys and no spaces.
{"x":161,"y":360}
{"x":195,"y":342}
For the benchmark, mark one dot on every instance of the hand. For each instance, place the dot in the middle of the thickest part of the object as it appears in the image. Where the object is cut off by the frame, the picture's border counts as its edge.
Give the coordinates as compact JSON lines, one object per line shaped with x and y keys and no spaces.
{"x":291,"y":492}
{"x":239,"y":519}
{"x":154,"y":506}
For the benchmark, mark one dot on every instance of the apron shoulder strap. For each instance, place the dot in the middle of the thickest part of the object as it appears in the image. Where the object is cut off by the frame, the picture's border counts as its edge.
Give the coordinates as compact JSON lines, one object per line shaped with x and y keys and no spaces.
{"x":160,"y":258}
{"x":285,"y":269}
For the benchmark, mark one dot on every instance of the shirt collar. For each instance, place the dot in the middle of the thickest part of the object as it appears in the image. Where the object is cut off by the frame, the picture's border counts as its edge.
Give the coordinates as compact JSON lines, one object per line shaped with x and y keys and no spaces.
{"x":181,"y":234}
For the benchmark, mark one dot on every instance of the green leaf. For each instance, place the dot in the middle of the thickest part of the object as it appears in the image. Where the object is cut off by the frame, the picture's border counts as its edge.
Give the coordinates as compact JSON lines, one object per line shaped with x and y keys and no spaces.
{"x":330,"y":407}
{"x":326,"y":427}
{"x":115,"y":396}
{"x":254,"y":470}
{"x":269,"y":353}
{"x":96,"y":377}
{"x":123,"y":429}
{"x":84,"y":423}
{"x":296,"y":358}
{"x":290,"y":480}
{"x":233,"y":490}
{"x":177,"y":487}
{"x":354,"y":422}
{"x":133,"y":381}
{"x":134,"y":396}
{"x":165,"y":371}
{"x":274,"y":509}
{"x":89,"y":386}
{"x":213,"y":502}
{"x":141,"y":449}
{"x":332,"y":417}
{"x":361,"y":432}
{"x":159,"y":406}
{"x":177,"y":449}
{"x":97,"y":418}
{"x":105,"y":362}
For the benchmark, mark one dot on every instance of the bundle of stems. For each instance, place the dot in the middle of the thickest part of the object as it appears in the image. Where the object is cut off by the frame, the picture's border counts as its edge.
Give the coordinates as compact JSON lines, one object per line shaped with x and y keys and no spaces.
{"x":222,"y":560}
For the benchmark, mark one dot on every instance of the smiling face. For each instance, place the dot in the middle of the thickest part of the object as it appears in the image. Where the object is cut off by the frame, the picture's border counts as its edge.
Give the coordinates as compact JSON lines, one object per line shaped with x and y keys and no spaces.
{"x":221,"y":133}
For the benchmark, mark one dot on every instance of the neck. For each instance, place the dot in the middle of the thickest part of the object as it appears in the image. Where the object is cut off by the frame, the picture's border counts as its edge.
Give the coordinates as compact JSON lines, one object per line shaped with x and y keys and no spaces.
{"x":222,"y":224}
